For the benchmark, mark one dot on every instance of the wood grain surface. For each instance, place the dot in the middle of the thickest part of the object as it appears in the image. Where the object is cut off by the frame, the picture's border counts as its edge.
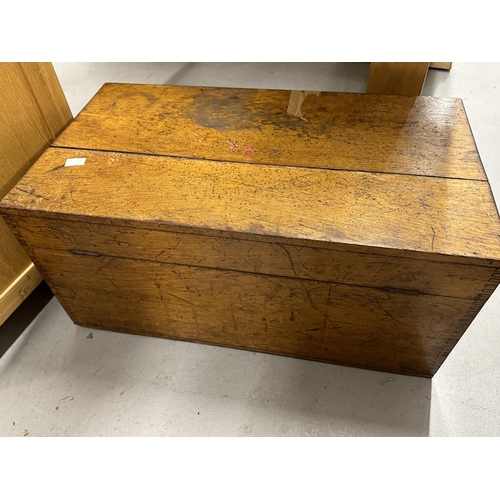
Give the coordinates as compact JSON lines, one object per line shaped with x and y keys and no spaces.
{"x":447,"y":216}
{"x":441,"y":65}
{"x":29,"y":94}
{"x":400,"y":78}
{"x":19,"y":288}
{"x":23,"y":137}
{"x":48,"y":94}
{"x":12,"y":257}
{"x":350,"y":264}
{"x":336,"y":323}
{"x":376,"y":252}
{"x":420,"y":136}
{"x":23,"y":132}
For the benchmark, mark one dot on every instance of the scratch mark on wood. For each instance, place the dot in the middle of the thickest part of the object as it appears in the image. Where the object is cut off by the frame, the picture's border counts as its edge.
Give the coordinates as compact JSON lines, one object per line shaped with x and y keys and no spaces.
{"x":180,"y":298}
{"x":159,"y":289}
{"x":388,"y":313}
{"x":289,"y":257}
{"x":32,"y":193}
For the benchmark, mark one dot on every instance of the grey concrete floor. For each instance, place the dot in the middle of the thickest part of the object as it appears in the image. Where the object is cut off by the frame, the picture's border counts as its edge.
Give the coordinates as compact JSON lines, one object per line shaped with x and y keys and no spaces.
{"x":58,"y":379}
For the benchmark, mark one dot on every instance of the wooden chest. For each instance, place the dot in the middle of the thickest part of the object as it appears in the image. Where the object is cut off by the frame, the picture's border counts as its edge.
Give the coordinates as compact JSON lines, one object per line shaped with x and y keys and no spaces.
{"x":365,"y":234}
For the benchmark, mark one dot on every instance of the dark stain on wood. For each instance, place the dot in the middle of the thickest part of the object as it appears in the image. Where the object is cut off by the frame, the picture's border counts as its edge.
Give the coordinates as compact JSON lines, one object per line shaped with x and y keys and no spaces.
{"x":230,"y":110}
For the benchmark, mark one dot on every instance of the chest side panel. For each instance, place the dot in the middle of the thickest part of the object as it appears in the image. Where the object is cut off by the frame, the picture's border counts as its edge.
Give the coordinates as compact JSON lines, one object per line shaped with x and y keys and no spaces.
{"x":389,"y":272}
{"x":355,"y":326}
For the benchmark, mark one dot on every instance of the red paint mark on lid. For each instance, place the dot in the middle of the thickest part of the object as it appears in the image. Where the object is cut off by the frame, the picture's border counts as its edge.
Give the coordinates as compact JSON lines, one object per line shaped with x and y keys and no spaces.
{"x":233,"y":146}
{"x":249,"y":151}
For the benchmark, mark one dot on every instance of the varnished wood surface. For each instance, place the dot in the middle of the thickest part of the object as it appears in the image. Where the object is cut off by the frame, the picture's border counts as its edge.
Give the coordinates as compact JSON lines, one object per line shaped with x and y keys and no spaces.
{"x":441,"y":65}
{"x":336,"y":323}
{"x":23,"y":137}
{"x":12,"y":257}
{"x":443,"y":216}
{"x":319,"y":259}
{"x":351,"y":266}
{"x":23,"y":132}
{"x":28,"y":93}
{"x":48,"y":94}
{"x":420,"y":136}
{"x":397,"y":78}
{"x":19,"y":288}
{"x":18,"y":217}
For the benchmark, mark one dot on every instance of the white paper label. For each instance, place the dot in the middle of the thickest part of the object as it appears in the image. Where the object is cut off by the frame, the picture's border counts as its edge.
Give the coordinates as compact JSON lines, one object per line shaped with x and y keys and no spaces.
{"x":75,"y":162}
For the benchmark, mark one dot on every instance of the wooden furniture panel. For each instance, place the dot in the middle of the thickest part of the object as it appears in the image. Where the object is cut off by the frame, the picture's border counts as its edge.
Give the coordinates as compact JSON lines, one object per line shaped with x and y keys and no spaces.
{"x":323,"y":321}
{"x":376,"y":254}
{"x":48,"y":94}
{"x":423,"y":214}
{"x":429,"y":136}
{"x":27,"y":126}
{"x":405,"y":78}
{"x":347,"y":264}
{"x":441,"y":65}
{"x":23,"y":131}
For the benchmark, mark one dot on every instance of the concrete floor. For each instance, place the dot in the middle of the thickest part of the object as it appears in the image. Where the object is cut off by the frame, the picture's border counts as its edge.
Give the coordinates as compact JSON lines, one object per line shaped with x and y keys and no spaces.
{"x":58,"y":379}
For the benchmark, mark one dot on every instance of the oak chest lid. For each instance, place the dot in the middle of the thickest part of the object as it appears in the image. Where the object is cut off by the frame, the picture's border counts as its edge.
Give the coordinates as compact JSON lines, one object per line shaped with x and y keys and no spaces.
{"x":380,"y":171}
